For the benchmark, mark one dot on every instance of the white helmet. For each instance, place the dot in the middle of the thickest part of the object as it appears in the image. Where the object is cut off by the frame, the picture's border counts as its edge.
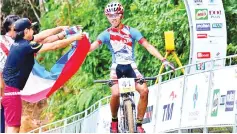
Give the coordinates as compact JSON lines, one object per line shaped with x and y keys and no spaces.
{"x":114,"y":8}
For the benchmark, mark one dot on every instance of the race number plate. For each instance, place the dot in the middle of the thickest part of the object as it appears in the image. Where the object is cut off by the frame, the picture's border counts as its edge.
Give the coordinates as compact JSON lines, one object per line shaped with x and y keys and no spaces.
{"x":126,"y":85}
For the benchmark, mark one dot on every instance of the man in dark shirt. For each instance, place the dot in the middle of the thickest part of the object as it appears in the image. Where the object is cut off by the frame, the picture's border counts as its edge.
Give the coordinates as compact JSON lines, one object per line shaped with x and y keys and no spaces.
{"x":20,"y":62}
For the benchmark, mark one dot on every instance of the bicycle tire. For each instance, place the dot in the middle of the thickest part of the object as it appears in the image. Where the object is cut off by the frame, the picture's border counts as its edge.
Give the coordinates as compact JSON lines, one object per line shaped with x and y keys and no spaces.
{"x":129,"y":113}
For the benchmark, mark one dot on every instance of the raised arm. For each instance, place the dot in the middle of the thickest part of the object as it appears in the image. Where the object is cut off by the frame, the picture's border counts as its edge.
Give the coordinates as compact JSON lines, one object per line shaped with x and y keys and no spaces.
{"x":53,"y":38}
{"x":94,"y":45}
{"x":60,"y":43}
{"x":152,"y":50}
{"x":46,"y":33}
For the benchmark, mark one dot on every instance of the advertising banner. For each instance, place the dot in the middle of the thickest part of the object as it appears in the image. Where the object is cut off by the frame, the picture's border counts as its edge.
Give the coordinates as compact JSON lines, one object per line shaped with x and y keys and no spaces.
{"x":223,"y":97}
{"x":169,"y":105}
{"x":209,"y":36}
{"x":195,"y":100}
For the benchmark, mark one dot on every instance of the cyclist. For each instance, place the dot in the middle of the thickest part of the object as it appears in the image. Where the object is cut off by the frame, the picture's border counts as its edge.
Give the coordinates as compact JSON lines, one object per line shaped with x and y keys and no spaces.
{"x":20,"y":62}
{"x":121,"y":39}
{"x":6,"y":41}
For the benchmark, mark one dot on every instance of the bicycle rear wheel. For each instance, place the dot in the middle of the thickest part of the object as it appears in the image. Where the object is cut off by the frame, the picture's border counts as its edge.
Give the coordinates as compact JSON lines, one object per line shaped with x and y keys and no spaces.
{"x":129,"y":114}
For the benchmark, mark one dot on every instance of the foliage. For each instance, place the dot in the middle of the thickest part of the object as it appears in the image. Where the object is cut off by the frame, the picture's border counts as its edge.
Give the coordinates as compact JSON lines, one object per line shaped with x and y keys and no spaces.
{"x":16,"y":7}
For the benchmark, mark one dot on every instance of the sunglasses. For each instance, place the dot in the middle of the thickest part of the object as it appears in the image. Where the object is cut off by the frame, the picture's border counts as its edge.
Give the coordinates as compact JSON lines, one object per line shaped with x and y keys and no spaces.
{"x":113,"y":16}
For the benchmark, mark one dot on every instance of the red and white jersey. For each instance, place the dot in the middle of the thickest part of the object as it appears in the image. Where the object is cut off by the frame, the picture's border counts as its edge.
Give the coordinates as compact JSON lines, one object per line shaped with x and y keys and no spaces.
{"x":5,"y":44}
{"x":121,"y":43}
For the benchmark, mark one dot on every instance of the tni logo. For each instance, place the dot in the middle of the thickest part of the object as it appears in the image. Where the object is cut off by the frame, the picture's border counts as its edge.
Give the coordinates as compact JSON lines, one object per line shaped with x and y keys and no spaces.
{"x":168,"y":110}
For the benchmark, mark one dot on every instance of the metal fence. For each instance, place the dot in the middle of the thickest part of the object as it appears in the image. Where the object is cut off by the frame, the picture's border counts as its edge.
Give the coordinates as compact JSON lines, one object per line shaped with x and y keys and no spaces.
{"x":73,"y":124}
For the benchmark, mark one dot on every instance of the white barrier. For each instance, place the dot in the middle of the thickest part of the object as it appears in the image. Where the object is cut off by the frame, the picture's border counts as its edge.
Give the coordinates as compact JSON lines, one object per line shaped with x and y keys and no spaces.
{"x":89,"y":122}
{"x":169,"y":105}
{"x":104,"y":120}
{"x":195,"y":99}
{"x":222,"y":99}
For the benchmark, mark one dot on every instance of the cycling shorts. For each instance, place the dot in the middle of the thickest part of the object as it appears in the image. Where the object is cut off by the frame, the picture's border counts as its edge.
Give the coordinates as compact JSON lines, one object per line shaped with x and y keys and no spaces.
{"x":128,"y":70}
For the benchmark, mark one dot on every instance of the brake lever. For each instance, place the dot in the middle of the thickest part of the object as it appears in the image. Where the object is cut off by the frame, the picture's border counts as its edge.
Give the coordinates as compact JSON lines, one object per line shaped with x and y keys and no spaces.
{"x":141,"y":81}
{"x":110,"y":83}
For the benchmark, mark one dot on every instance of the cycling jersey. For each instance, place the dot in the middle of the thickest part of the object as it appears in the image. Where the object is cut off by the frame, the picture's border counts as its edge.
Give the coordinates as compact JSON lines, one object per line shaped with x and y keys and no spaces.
{"x":121,"y":43}
{"x":5,"y":44}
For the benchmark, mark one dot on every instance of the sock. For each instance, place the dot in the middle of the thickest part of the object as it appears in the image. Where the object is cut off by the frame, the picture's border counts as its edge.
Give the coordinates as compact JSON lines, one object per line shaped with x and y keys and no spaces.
{"x":139,"y":122}
{"x":114,"y":119}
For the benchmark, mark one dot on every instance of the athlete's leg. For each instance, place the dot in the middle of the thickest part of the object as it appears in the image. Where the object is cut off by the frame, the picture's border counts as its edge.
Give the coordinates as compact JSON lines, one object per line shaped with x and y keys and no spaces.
{"x":142,"y":90}
{"x":114,"y":103}
{"x":143,"y":101}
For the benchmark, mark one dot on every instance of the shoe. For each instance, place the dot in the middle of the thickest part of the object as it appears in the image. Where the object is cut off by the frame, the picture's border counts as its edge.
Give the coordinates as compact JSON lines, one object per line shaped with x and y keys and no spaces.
{"x":140,"y":129}
{"x":114,"y":127}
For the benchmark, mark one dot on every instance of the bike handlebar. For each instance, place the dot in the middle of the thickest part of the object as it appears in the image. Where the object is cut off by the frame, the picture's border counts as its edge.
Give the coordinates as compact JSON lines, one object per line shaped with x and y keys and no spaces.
{"x":106,"y":81}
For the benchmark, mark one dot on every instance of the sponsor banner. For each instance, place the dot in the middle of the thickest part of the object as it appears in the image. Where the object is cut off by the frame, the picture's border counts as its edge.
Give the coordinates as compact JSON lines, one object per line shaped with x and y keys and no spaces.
{"x":208,"y":30}
{"x":222,"y":97}
{"x":195,"y":99}
{"x":169,"y":105}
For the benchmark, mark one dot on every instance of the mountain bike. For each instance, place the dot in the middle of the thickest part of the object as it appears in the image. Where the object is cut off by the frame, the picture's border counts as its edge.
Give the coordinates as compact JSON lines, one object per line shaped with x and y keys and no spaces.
{"x":127,"y":122}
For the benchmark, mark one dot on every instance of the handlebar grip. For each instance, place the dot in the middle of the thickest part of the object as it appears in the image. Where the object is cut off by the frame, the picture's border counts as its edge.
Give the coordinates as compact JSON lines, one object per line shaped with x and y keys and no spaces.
{"x":150,"y":78}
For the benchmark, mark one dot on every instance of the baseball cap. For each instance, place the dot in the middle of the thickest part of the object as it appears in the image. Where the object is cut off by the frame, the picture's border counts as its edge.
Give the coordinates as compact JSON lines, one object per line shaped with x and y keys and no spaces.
{"x":22,"y":24}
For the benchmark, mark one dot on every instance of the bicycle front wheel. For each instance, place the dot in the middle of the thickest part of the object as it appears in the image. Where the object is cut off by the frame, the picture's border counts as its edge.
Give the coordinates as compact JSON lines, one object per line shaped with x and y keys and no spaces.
{"x":129,"y":114}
